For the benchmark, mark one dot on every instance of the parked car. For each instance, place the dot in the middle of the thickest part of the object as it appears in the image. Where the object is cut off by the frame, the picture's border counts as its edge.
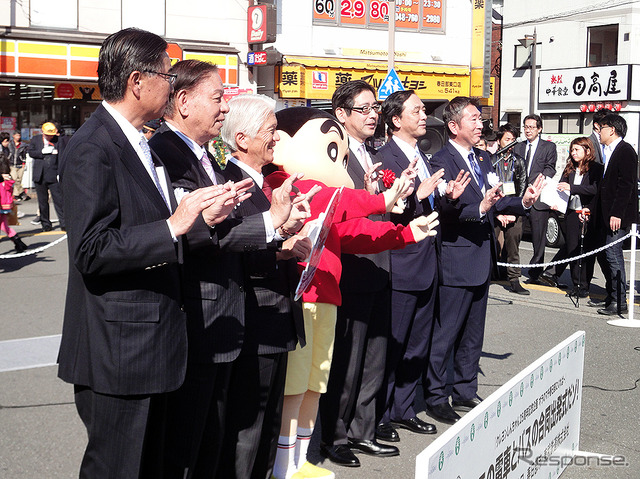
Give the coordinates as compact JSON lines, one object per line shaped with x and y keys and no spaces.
{"x":555,"y":238}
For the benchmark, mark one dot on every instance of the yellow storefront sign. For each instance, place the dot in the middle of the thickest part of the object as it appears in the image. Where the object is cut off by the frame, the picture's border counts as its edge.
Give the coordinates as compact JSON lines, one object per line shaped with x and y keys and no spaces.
{"x":315,"y":82}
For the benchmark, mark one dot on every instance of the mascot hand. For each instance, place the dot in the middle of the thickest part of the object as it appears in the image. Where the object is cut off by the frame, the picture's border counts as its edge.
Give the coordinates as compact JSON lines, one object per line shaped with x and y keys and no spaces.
{"x":396,"y":191}
{"x":424,"y":226}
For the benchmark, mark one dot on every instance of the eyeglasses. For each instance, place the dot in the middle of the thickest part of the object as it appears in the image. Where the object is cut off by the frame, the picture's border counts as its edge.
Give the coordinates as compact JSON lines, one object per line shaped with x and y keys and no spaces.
{"x":366,"y":109}
{"x":529,"y":127}
{"x":170,"y":77}
{"x":602,"y":127}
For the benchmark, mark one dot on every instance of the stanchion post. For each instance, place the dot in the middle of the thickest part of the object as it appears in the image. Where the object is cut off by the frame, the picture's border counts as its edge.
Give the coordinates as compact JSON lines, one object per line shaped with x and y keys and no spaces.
{"x":630,"y":322}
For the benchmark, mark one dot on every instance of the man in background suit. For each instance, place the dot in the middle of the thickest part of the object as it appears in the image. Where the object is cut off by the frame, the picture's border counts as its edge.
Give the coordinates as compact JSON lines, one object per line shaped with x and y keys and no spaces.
{"x":124,"y":343}
{"x":468,"y":252}
{"x":540,"y":157}
{"x":215,"y":278}
{"x":44,"y":151}
{"x":616,"y":206}
{"x":598,"y":116}
{"x":348,"y":408}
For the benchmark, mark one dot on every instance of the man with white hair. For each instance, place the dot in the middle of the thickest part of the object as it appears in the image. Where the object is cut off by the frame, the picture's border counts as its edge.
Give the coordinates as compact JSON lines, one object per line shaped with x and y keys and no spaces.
{"x":274,"y":323}
{"x":217,"y":282}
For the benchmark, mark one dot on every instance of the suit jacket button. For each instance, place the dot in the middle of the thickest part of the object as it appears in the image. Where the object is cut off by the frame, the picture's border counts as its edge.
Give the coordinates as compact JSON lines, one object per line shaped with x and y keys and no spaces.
{"x":182,"y":308}
{"x":241,"y":289}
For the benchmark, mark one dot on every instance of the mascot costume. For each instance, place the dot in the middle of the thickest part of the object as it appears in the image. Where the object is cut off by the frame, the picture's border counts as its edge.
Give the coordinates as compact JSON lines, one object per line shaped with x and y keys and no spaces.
{"x":313,"y":142}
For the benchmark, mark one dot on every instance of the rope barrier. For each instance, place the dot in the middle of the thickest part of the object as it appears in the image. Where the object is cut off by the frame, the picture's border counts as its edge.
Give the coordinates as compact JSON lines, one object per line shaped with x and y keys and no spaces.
{"x":33,"y":251}
{"x":568,"y":260}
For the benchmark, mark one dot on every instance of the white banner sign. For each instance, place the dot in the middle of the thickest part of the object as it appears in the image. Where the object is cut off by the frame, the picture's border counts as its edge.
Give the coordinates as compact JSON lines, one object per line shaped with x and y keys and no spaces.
{"x":530,"y":427}
{"x":592,"y":84}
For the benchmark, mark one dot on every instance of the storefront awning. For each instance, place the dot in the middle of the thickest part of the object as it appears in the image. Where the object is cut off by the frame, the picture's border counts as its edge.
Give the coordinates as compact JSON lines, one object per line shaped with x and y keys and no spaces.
{"x":318,"y":77}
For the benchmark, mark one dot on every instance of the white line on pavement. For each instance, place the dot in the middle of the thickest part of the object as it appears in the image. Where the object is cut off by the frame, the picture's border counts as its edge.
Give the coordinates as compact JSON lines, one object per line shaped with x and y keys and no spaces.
{"x":27,"y":353}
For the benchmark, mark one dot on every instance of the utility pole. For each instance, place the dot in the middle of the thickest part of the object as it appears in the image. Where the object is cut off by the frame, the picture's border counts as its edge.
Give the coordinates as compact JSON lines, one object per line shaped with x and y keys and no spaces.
{"x":392,"y":35}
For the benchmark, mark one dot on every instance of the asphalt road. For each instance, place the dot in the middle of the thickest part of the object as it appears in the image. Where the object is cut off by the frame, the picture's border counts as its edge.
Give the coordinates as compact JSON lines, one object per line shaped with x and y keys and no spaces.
{"x":42,"y":437}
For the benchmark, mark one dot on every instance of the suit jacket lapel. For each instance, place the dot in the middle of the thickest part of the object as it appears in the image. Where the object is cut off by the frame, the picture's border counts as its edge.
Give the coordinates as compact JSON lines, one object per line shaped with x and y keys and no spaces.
{"x":461,"y":164}
{"x":131,"y":159}
{"x":355,"y":170}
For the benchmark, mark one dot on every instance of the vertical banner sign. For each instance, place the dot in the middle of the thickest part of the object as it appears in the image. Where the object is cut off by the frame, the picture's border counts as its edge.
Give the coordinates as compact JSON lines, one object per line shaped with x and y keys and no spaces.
{"x":530,"y":427}
{"x":481,"y":48}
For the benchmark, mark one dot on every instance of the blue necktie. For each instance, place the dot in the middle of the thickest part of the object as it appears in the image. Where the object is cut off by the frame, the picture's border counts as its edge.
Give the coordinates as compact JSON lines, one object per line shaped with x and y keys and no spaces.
{"x":476,"y":170}
{"x":423,"y":173}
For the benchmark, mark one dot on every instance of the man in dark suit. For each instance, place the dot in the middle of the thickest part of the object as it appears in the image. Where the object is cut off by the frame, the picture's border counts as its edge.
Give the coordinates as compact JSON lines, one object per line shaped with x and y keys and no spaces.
{"x":467,"y":246}
{"x":540,"y":157}
{"x":348,"y":408}
{"x":217,"y":282}
{"x":616,"y":205}
{"x":44,"y":151}
{"x":414,"y":269}
{"x":124,"y":342}
{"x":598,"y":116}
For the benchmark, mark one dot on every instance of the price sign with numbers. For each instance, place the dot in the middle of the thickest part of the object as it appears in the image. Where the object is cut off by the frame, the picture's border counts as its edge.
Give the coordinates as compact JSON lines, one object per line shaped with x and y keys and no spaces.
{"x":353,"y":12}
{"x":408,"y":14}
{"x":324,"y":11}
{"x":378,"y":12}
{"x":432,"y":13}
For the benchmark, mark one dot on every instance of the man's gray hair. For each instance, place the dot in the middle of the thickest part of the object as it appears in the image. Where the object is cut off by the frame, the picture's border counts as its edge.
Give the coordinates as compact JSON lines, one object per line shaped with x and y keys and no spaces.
{"x":247,"y":113}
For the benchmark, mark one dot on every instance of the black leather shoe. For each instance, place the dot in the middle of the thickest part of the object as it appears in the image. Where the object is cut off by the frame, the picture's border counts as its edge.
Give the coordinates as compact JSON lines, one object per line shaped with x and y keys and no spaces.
{"x":386,"y":432}
{"x":373,"y":448}
{"x":599,"y":303}
{"x":614,"y":310}
{"x":467,"y":405}
{"x":415,"y":424}
{"x":517,"y":288}
{"x":340,"y":454}
{"x":550,"y":280}
{"x":444,"y":413}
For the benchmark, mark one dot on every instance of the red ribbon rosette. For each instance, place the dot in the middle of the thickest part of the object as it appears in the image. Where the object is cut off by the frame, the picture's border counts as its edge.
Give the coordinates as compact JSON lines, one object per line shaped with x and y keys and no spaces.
{"x":388,"y":177}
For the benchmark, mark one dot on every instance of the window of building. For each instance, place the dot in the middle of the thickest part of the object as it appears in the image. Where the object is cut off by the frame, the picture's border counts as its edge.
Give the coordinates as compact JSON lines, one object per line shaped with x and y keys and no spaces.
{"x":515,"y":119}
{"x":603,"y":45}
{"x":58,"y":14}
{"x":568,"y":123}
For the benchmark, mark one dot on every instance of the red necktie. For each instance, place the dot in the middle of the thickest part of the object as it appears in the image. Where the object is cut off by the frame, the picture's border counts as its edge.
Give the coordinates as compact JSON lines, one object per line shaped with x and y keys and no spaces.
{"x":266,"y":189}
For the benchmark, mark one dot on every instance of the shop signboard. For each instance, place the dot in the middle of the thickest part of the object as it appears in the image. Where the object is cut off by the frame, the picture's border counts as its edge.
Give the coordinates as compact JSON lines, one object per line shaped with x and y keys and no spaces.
{"x":580,"y":85}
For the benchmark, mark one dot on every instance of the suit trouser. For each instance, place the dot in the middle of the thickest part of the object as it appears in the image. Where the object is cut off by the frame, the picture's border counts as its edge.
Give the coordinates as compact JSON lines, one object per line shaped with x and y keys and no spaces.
{"x":197,"y":413}
{"x":458,"y":329}
{"x":510,"y":246}
{"x":611,"y":263}
{"x":42,"y":190}
{"x":17,"y":173}
{"x":125,"y":434}
{"x":254,"y":412}
{"x":539,"y":220}
{"x":348,"y":408}
{"x":411,"y":328}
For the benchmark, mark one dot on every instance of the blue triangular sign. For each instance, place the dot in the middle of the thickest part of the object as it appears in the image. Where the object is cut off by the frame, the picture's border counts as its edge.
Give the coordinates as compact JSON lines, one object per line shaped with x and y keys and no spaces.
{"x":390,"y":84}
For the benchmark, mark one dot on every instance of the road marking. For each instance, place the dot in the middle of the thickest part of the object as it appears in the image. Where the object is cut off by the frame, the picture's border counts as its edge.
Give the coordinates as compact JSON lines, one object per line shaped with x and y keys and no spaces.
{"x":28,"y":353}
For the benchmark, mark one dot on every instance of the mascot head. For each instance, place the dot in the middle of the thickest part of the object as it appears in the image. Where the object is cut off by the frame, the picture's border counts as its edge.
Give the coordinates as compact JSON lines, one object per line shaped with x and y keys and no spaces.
{"x":313,"y":142}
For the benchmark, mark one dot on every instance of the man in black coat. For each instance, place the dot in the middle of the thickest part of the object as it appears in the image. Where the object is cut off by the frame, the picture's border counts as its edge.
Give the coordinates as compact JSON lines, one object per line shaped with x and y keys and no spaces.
{"x":616,"y":205}
{"x":224,"y":326}
{"x":44,"y":151}
{"x":124,"y":341}
{"x":540,"y":157}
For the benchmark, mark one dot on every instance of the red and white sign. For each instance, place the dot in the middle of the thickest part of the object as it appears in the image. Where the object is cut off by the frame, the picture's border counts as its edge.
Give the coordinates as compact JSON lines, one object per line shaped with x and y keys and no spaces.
{"x":320,"y":80}
{"x":257,"y":24}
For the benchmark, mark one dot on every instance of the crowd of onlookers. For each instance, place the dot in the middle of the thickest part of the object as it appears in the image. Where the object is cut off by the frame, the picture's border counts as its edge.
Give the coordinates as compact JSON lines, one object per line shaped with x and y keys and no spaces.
{"x":601,"y":204}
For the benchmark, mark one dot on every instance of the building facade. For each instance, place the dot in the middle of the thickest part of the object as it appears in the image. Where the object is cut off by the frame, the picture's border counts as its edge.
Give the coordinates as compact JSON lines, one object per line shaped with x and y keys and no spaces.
{"x":585,"y":61}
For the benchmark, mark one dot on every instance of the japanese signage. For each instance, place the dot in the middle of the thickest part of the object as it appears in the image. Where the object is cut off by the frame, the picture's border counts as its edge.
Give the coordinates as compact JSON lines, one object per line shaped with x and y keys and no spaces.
{"x":299,"y":81}
{"x":77,"y":91}
{"x":481,"y":48}
{"x":261,"y":24}
{"x":530,"y":427}
{"x":592,"y":84}
{"x":414,"y":15}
